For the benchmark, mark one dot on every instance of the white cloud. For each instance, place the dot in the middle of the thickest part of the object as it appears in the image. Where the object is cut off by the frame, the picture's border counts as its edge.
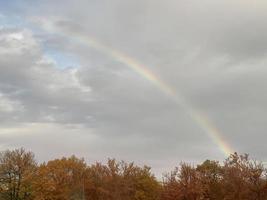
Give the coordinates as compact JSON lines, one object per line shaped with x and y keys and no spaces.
{"x":16,"y":42}
{"x":8,"y":105}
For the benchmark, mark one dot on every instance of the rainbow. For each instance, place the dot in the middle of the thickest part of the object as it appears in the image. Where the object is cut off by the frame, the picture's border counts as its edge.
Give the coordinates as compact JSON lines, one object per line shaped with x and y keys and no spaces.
{"x":199,"y":118}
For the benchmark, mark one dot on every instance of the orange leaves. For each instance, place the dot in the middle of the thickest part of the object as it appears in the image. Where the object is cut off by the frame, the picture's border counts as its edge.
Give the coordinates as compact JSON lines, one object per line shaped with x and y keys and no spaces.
{"x":121,"y":181}
{"x":60,"y":178}
{"x":239,"y":178}
{"x":21,"y":178}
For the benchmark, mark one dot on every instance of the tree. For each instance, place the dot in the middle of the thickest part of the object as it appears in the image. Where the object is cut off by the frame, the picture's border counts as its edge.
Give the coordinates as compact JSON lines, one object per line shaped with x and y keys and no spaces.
{"x":210,"y":180}
{"x":60,"y":179}
{"x":244,"y":178}
{"x":238,"y":178}
{"x":121,"y":181}
{"x":171,"y":185}
{"x":182,"y":184}
{"x":17,"y":172}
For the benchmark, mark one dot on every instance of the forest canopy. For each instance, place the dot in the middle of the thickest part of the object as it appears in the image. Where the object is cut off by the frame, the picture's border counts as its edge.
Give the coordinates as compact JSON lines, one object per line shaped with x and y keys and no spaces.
{"x":71,"y":178}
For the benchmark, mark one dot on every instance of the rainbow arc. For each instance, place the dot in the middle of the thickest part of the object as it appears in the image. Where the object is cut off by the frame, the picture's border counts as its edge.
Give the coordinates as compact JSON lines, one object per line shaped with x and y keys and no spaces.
{"x":198,"y":117}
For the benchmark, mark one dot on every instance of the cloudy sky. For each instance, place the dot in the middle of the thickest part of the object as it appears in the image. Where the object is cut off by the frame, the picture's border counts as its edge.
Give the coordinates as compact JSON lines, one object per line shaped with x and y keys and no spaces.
{"x":64,"y":91}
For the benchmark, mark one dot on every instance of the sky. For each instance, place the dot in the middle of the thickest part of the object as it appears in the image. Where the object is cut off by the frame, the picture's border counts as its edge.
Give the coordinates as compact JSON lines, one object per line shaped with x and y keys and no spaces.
{"x":150,"y":81}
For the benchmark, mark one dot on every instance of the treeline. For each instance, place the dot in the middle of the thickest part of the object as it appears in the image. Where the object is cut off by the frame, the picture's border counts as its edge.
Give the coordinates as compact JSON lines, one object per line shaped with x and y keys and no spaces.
{"x":22,"y":178}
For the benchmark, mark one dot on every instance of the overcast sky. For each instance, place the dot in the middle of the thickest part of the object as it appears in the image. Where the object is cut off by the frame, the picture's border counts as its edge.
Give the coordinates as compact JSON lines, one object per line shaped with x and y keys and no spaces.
{"x":59,"y":95}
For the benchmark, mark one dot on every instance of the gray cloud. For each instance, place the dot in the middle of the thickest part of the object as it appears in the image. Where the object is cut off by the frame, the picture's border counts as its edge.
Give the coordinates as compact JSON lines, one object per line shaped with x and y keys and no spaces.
{"x":212,"y":52}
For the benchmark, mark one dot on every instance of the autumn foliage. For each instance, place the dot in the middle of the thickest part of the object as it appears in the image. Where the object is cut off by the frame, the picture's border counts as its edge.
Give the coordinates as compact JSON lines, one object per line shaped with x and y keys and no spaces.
{"x":22,"y":178}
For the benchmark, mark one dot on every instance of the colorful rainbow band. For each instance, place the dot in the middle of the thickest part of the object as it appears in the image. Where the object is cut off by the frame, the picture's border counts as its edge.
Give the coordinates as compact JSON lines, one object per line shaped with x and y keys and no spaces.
{"x":199,"y":118}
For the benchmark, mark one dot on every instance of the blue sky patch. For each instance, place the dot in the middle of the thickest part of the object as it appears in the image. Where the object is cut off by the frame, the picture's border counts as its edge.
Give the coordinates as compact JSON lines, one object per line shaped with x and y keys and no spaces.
{"x":63,"y":60}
